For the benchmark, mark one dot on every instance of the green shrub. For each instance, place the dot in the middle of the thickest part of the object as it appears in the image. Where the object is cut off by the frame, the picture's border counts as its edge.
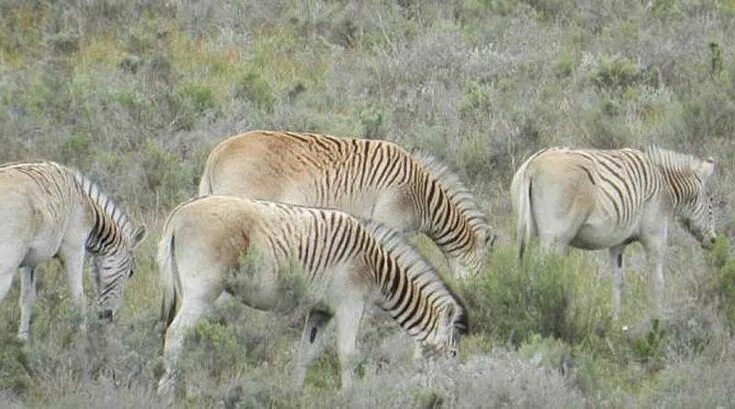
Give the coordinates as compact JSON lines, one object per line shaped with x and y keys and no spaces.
{"x":256,"y":89}
{"x":16,"y":375}
{"x":193,"y":100}
{"x":616,"y":74}
{"x":722,"y":282}
{"x":513,"y":302}
{"x":649,"y":346}
{"x":76,"y":150}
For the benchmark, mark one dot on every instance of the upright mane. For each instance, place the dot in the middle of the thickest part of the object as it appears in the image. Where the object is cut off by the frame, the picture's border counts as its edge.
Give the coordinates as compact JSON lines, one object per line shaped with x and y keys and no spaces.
{"x":458,"y":193}
{"x":103,"y":202}
{"x":672,"y":160}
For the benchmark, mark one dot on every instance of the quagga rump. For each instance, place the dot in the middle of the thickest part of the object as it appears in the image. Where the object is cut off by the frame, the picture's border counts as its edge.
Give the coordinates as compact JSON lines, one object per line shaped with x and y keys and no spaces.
{"x":370,"y":179}
{"x":343,"y":263}
{"x":606,"y":199}
{"x":48,"y":210}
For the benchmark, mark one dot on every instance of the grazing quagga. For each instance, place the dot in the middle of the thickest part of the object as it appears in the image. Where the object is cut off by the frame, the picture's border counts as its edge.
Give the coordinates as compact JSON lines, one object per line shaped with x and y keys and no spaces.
{"x":370,"y":179}
{"x":49,"y":210}
{"x":207,"y":241}
{"x":606,"y":199}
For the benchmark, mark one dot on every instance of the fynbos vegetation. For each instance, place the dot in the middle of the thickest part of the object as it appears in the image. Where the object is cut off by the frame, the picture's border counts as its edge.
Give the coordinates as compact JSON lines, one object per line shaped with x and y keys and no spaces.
{"x":134,"y":94}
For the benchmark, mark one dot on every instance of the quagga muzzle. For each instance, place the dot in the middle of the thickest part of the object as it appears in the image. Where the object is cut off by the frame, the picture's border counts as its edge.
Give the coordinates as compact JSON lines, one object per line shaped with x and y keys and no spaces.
{"x":344,"y":265}
{"x":49,"y":210}
{"x":606,"y":199}
{"x":370,"y":179}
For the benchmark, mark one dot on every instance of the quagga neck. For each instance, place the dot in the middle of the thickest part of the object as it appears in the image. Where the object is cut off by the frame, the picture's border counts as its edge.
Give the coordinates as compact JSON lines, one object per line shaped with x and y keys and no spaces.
{"x":680,"y":189}
{"x":450,"y":215}
{"x":413,"y":293}
{"x":109,"y":226}
{"x":679,"y":183}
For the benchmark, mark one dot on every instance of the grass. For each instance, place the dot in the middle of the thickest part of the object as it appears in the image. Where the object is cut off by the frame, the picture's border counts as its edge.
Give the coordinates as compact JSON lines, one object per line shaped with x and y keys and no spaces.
{"x":135,"y":94}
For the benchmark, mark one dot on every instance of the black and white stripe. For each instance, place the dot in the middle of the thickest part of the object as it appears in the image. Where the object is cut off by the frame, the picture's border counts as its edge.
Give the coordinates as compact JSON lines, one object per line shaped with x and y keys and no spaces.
{"x":412,"y":292}
{"x":109,"y":239}
{"x":357,"y":176}
{"x":627,"y":178}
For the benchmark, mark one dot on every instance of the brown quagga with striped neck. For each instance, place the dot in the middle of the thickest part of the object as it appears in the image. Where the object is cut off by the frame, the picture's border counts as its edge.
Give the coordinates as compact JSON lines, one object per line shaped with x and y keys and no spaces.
{"x":343,"y":264}
{"x":48,"y":210}
{"x":370,"y":179}
{"x":606,"y":199}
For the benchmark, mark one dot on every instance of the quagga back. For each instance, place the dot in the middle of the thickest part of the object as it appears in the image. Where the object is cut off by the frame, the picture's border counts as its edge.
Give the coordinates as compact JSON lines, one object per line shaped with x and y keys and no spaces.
{"x":606,"y":199}
{"x":206,"y":244}
{"x":370,"y":179}
{"x":49,"y":210}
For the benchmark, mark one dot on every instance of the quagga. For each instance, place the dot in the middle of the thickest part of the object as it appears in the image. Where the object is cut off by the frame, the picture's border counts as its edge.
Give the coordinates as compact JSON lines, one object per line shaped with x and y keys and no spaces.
{"x":49,"y":210}
{"x":370,"y":179}
{"x":606,"y":199}
{"x":207,"y":241}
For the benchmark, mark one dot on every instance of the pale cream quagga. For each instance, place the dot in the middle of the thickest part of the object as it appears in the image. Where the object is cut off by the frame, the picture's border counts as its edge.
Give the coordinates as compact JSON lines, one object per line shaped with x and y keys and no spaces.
{"x":370,"y":179}
{"x":344,"y":264}
{"x":606,"y":199}
{"x":48,"y":210}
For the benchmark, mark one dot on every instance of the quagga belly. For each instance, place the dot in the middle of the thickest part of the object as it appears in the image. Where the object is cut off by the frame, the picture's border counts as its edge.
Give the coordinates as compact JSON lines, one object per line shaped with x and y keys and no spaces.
{"x":344,"y":265}
{"x":49,"y":210}
{"x":606,"y":199}
{"x":371,"y":179}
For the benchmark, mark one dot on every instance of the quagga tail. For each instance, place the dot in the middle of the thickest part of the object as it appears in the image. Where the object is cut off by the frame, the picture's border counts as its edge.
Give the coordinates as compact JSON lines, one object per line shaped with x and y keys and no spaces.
{"x":169,"y":280}
{"x":522,"y":200}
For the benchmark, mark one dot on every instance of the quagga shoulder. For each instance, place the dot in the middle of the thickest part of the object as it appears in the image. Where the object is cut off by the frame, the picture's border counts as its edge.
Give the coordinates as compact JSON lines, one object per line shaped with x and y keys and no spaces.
{"x":370,"y":179}
{"x":49,"y":210}
{"x":606,"y":199}
{"x":344,"y":263}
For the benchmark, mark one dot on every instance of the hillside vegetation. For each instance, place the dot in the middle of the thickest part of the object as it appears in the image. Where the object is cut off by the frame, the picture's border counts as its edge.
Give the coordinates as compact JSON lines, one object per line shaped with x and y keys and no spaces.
{"x":136,"y":93}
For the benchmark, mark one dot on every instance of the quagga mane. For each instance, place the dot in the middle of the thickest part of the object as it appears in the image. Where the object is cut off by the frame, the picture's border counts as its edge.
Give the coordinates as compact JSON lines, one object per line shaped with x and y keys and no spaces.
{"x":606,"y":199}
{"x":48,"y":210}
{"x":344,"y":264}
{"x":370,"y":179}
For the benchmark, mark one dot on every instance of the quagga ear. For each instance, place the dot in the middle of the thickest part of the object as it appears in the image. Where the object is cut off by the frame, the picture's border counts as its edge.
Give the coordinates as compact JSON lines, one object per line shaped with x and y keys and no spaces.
{"x":705,"y":169}
{"x":138,"y":236}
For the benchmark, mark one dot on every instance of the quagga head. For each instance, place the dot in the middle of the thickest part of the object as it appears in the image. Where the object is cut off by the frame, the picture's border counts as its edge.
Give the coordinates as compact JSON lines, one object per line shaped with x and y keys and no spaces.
{"x":701,"y":221}
{"x":698,"y":216}
{"x":452,"y":324}
{"x":474,"y":261}
{"x":111,"y":269}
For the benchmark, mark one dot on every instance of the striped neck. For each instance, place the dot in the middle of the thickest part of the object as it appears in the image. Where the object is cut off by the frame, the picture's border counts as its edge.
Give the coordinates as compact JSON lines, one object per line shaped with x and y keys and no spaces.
{"x":680,"y":183}
{"x":110,"y":226}
{"x":452,"y":217}
{"x":414,"y":294}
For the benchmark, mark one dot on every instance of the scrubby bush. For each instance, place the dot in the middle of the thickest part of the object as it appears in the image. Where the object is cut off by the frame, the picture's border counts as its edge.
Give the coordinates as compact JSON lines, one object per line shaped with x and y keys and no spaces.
{"x":136,"y":93}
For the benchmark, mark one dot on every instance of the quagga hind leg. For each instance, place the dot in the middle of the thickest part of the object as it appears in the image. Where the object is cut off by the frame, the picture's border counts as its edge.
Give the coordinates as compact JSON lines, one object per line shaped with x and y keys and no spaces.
{"x":6,"y":278}
{"x":27,"y":298}
{"x":195,"y":304}
{"x":616,"y":260}
{"x":311,"y":345}
{"x":11,"y":255}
